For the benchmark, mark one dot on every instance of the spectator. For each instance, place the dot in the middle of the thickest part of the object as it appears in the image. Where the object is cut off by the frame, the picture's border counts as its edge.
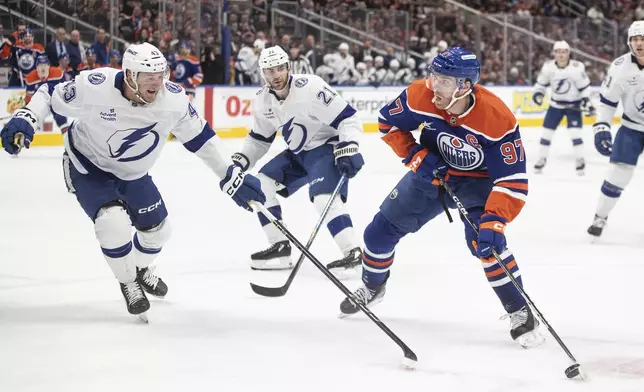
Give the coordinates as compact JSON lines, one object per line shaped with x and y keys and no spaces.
{"x":57,"y":48}
{"x":63,"y":64}
{"x":100,"y":48}
{"x":75,"y":50}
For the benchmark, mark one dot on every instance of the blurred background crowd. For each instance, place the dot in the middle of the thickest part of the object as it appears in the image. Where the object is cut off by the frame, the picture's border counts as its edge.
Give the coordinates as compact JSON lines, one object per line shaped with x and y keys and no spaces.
{"x":347,"y":42}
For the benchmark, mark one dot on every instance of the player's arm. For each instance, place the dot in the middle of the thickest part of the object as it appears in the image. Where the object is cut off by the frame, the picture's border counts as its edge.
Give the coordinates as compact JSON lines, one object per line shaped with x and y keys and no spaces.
{"x":197,"y":76}
{"x":395,"y":123}
{"x":543,"y":82}
{"x":507,"y":168}
{"x":609,"y":96}
{"x":199,"y":138}
{"x":332,"y":109}
{"x":257,"y":142}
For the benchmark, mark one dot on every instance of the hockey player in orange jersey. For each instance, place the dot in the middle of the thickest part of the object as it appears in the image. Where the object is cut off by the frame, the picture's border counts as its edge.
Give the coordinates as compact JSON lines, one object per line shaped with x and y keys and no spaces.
{"x":471,"y":138}
{"x":43,"y":74}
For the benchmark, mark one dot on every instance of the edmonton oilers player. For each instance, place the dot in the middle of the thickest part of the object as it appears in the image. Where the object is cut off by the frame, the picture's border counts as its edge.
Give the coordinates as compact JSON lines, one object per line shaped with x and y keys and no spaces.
{"x":570,"y":96}
{"x":473,"y":139}
{"x":321,"y":131}
{"x":624,"y":82}
{"x":121,"y":122}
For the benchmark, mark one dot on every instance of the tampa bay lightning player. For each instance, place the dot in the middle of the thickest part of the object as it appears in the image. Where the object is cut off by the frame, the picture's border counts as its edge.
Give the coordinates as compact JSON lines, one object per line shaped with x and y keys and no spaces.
{"x":121,"y":121}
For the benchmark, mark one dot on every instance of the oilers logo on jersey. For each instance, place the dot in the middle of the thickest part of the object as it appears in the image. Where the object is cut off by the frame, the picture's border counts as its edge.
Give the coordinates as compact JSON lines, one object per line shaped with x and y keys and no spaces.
{"x":180,"y":71}
{"x":458,"y":153}
{"x":294,"y":134}
{"x":133,"y":144}
{"x":27,"y":61}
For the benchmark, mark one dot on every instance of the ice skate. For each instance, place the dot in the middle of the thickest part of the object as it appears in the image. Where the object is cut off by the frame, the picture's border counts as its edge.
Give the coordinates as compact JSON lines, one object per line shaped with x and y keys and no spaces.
{"x":351,"y":259}
{"x":597,"y":226}
{"x":276,"y":257}
{"x":150,"y":282}
{"x":538,"y":167}
{"x":524,"y":328}
{"x":366,"y":296}
{"x":580,"y":166}
{"x":135,"y":300}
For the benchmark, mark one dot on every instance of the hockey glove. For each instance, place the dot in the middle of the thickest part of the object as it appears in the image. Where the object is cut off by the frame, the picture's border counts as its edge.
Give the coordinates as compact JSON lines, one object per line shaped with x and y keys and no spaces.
{"x":241,"y":160}
{"x":587,"y":107}
{"x":491,"y":236}
{"x":538,"y":98}
{"x":603,"y":138}
{"x":348,"y":159}
{"x":424,"y":163}
{"x":19,"y":131}
{"x":242,"y":188}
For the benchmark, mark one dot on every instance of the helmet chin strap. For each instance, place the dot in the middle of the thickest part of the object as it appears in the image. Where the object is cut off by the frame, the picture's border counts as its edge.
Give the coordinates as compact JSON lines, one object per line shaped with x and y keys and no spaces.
{"x":135,"y":89}
{"x":454,"y":98}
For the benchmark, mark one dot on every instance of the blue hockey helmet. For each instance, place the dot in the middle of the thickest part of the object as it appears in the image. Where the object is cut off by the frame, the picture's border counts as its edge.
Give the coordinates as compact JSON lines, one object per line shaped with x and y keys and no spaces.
{"x":459,"y":63}
{"x":116,"y":53}
{"x":42,"y":59}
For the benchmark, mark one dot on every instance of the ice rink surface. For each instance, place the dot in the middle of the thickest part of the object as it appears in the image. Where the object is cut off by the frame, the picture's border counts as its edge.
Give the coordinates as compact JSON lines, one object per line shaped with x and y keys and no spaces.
{"x":64,"y":326}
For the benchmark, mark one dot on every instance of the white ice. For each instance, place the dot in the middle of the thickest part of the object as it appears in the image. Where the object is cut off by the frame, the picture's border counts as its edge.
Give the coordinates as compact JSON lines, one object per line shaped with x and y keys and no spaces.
{"x":64,"y":326}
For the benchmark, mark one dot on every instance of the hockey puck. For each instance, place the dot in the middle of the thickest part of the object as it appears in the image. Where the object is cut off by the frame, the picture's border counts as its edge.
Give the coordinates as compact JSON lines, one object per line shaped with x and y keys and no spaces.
{"x":409,"y":363}
{"x":573,"y":371}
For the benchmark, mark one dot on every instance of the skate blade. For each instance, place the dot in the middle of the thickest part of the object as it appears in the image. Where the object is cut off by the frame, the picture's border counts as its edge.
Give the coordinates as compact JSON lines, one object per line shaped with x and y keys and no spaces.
{"x":279,"y":264}
{"x":143,"y":317}
{"x":531,"y":339}
{"x":371,"y":305}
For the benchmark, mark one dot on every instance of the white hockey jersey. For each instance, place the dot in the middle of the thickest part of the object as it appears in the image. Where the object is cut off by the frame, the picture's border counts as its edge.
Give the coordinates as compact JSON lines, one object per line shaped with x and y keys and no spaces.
{"x":568,"y":85}
{"x":624,"y":81}
{"x":118,"y":136}
{"x":247,"y":63}
{"x":312,"y":114}
{"x":344,"y":68}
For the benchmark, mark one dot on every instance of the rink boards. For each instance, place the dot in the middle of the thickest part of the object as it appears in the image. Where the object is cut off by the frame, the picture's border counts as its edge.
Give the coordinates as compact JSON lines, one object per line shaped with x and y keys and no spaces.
{"x":229,"y":109}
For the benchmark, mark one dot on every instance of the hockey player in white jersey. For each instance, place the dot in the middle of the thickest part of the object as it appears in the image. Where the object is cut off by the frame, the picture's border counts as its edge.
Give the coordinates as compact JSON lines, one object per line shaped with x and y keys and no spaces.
{"x":570,"y":96}
{"x":362,"y":76}
{"x":624,"y":82}
{"x":121,"y":121}
{"x":321,"y":131}
{"x":344,"y":65}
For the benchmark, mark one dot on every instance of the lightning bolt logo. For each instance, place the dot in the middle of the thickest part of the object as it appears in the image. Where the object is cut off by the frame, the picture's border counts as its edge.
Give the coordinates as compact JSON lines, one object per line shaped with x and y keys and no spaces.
{"x":287,"y":131}
{"x":126,"y":143}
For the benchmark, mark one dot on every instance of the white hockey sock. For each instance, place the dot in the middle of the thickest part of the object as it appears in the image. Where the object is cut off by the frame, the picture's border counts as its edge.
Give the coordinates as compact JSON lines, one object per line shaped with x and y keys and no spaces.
{"x":577,"y":142}
{"x":269,"y":187}
{"x":113,"y":232}
{"x":148,"y":243}
{"x":619,"y":175}
{"x":338,"y":222}
{"x":546,"y":140}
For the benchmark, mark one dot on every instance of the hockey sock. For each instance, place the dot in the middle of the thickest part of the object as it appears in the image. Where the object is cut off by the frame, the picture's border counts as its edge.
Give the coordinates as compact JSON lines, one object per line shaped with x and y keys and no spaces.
{"x":338,"y":222}
{"x":375,"y":267}
{"x":619,"y":175}
{"x":113,"y":232}
{"x":273,"y":234}
{"x":510,"y":297}
{"x":148,"y":243}
{"x":577,"y":142}
{"x":546,"y":140}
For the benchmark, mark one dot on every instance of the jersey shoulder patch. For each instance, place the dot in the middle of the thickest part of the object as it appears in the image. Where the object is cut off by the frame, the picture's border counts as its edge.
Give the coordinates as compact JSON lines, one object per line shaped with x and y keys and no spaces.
{"x":619,"y":61}
{"x":301,"y":81}
{"x":173,"y":87}
{"x":96,"y":78}
{"x":260,"y":91}
{"x":420,"y":96}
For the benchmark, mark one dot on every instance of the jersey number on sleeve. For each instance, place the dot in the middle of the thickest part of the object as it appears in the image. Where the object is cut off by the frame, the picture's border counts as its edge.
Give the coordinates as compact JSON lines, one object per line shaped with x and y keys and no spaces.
{"x":607,"y":81}
{"x":509,"y":151}
{"x":326,"y":95}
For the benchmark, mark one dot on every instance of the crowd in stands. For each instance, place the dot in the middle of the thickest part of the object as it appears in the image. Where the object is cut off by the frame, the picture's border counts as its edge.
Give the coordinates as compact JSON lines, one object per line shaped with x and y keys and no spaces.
{"x":432,"y":24}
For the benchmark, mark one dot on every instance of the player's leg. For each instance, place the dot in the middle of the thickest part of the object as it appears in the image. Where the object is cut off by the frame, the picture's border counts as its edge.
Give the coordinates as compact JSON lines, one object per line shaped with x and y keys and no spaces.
{"x":149,"y":216}
{"x":96,"y":193}
{"x":550,"y":124}
{"x":523,"y":326}
{"x":411,"y":204}
{"x":627,"y":148}
{"x":323,"y":177}
{"x":280,"y":176}
{"x":575,"y":124}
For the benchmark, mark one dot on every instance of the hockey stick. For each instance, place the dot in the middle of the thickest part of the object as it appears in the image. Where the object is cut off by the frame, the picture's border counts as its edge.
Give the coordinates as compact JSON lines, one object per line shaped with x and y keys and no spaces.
{"x":410,"y":359}
{"x":280,"y":291}
{"x":573,"y":370}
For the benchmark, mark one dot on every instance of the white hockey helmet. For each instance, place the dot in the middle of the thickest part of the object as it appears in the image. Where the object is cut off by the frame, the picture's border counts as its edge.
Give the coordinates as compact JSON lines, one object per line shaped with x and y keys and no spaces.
{"x":379,"y":61}
{"x":272,"y":57}
{"x":411,"y":63}
{"x":367,"y":59}
{"x":343,"y":47}
{"x":259,"y":44}
{"x":560,"y":45}
{"x":143,"y":57}
{"x":328,"y":59}
{"x":361,"y":66}
{"x":635,"y":30}
{"x":394,"y":64}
